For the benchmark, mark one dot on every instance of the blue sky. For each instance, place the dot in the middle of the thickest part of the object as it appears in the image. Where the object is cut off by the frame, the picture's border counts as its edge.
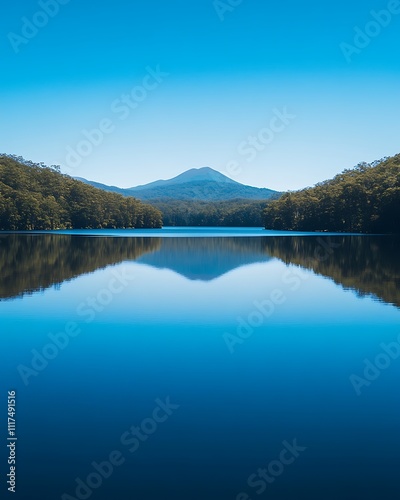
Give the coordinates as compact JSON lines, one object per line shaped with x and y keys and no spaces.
{"x":216,"y":85}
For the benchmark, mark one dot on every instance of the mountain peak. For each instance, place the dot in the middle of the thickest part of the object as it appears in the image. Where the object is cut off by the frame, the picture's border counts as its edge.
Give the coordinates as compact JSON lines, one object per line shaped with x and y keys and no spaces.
{"x":193,"y":175}
{"x":202,"y":174}
{"x":205,"y":184}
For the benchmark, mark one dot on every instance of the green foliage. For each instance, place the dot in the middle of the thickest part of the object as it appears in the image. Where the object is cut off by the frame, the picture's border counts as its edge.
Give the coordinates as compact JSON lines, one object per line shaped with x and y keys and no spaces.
{"x":234,"y":213}
{"x":365,"y":199}
{"x":37,"y":197}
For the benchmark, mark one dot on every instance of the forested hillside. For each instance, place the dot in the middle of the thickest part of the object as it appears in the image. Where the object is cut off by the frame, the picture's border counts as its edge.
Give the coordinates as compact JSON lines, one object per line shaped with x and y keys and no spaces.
{"x":363,"y":199}
{"x":234,"y":213}
{"x":34,"y":196}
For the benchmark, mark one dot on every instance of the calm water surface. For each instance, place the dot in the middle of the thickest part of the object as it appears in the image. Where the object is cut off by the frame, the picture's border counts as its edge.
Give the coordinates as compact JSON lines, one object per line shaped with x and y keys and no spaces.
{"x":253,"y":342}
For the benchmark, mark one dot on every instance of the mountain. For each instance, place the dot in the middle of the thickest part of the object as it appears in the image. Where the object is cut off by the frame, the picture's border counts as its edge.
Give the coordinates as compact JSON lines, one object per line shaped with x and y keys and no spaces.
{"x":205,"y":259}
{"x":203,"y":184}
{"x":33,"y":263}
{"x":204,"y":174}
{"x":368,"y":265}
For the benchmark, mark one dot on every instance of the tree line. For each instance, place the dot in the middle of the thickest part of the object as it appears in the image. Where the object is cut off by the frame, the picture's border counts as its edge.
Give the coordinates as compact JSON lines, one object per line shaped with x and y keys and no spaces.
{"x":364,"y":199}
{"x":195,"y":213}
{"x":37,"y":197}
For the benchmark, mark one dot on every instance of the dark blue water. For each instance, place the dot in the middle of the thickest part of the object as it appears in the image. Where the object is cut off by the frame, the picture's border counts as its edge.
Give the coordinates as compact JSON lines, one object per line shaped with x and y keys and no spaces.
{"x":237,"y":366}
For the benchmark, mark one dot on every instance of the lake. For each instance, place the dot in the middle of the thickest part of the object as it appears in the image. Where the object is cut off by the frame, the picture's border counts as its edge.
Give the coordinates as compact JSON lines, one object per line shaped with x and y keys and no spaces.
{"x":208,"y":364}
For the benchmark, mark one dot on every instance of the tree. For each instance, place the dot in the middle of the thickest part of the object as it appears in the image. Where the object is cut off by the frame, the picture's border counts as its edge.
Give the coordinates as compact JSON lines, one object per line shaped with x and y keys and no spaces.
{"x":34,"y":196}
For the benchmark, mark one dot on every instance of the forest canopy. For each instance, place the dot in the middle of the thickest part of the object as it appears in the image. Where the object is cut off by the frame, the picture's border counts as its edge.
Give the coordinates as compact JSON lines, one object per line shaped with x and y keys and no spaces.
{"x":37,"y":197}
{"x":197,"y":213}
{"x":364,"y":199}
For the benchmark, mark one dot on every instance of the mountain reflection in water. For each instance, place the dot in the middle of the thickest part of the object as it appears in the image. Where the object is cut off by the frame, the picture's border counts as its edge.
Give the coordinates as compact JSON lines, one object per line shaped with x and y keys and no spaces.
{"x":368,"y":265}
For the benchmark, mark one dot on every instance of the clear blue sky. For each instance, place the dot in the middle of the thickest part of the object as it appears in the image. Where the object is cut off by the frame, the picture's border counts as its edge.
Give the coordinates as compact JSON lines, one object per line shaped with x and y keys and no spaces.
{"x":227,"y":79}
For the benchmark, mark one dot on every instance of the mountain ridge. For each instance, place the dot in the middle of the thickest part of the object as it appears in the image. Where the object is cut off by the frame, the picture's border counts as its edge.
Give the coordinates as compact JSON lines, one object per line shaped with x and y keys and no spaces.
{"x":191,"y":175}
{"x":201,"y":184}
